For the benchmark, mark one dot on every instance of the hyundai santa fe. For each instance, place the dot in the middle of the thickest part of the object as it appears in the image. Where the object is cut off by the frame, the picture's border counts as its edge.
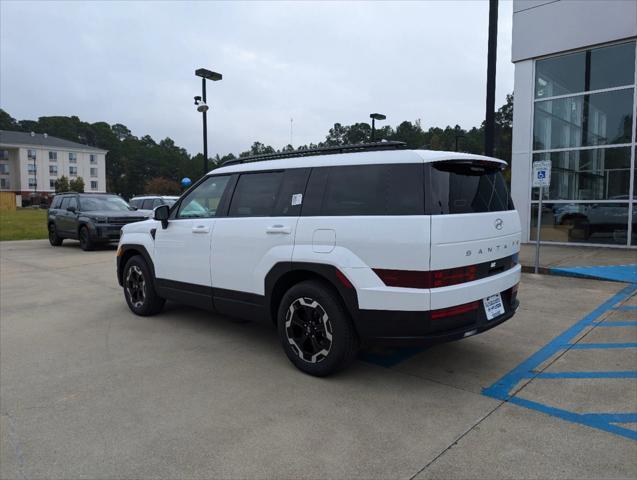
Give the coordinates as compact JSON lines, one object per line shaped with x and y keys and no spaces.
{"x":337,"y":248}
{"x":91,"y":218}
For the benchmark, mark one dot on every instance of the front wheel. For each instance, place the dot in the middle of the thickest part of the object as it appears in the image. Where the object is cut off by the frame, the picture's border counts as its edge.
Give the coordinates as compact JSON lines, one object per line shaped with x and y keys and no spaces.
{"x":315,"y":330}
{"x":139,"y":289}
{"x":86,"y":243}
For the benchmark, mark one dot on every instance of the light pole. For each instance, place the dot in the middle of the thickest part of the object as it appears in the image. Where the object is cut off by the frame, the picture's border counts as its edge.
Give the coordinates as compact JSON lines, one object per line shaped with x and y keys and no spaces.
{"x":202,"y":107}
{"x":374,"y":117}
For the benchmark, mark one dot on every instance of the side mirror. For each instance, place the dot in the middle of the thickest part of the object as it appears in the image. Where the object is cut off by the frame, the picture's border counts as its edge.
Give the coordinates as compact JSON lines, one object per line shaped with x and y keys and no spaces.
{"x":161,"y":213}
{"x":71,"y":209}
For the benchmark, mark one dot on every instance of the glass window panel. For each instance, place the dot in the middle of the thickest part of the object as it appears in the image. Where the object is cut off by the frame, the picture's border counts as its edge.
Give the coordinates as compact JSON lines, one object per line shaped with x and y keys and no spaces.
{"x":605,"y":223}
{"x":596,"y":69}
{"x":584,"y":120}
{"x":202,"y":202}
{"x":612,"y":66}
{"x":599,"y":174}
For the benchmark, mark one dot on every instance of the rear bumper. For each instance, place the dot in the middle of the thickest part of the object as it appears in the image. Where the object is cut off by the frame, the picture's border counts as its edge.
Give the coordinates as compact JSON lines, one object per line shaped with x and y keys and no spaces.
{"x":411,"y":328}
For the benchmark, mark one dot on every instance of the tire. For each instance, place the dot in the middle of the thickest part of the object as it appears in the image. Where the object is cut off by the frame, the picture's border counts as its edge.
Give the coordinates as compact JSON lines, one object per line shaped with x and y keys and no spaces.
{"x":54,"y":239}
{"x":139,"y":288}
{"x":86,"y":243}
{"x":315,"y":330}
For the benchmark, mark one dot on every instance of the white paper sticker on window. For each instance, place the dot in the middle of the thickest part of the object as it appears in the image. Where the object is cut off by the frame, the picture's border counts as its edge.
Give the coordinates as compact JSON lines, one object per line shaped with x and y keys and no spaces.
{"x":297,"y":199}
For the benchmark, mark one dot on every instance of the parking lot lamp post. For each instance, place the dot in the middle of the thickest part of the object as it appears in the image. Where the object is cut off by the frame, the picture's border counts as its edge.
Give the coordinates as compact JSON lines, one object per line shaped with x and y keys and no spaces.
{"x":202,"y":107}
{"x":374,"y":117}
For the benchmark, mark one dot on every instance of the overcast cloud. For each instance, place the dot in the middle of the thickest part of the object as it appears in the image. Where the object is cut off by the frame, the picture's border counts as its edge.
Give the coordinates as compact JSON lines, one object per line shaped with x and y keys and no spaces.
{"x":319,"y":63}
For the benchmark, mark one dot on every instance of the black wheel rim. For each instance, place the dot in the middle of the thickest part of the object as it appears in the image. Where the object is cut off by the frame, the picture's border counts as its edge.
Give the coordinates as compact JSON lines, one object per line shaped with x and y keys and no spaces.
{"x":83,"y":237}
{"x":135,"y":286}
{"x":52,"y":235}
{"x":308,"y":330}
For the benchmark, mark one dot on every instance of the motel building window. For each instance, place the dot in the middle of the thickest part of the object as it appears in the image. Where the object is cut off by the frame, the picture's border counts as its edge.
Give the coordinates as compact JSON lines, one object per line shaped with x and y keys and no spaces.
{"x":72,"y":157}
{"x":73,"y":171}
{"x":93,"y":172}
{"x":4,"y":183}
{"x":93,"y":185}
{"x":53,"y":156}
{"x":4,"y":154}
{"x":31,"y":154}
{"x":31,"y":169}
{"x":52,"y":183}
{"x":4,"y":169}
{"x":53,"y":169}
{"x":32,"y":182}
{"x":93,"y":159}
{"x":584,"y":122}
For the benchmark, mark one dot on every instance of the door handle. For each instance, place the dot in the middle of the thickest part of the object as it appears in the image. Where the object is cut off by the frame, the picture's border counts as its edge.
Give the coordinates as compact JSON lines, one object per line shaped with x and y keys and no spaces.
{"x":279,"y":229}
{"x":201,"y":229}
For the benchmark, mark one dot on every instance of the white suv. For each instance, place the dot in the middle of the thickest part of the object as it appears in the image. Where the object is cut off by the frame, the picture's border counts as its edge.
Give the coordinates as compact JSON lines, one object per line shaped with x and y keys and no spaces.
{"x":336,"y":247}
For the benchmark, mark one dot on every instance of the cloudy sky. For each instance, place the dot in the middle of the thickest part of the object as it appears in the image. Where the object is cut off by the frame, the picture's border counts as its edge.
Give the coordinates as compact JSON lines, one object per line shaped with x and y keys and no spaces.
{"x":318,"y":63}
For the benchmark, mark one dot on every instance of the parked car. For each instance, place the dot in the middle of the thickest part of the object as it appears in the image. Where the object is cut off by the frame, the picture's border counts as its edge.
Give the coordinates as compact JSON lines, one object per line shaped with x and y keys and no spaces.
{"x":149,"y":202}
{"x":337,"y":248}
{"x":91,"y":218}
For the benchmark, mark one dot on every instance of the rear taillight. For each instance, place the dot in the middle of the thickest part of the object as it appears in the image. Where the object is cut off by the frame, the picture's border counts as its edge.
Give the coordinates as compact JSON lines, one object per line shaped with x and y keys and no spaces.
{"x":452,"y":311}
{"x":453,"y":276}
{"x":404,"y":278}
{"x":434,"y":279}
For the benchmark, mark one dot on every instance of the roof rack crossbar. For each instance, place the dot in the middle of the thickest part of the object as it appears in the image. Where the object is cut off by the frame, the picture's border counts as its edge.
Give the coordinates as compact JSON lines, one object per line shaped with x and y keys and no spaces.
{"x":359,"y":147}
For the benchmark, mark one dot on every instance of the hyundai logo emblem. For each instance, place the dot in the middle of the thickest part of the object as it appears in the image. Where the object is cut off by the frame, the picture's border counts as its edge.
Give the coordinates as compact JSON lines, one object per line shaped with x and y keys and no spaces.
{"x":498,"y":223}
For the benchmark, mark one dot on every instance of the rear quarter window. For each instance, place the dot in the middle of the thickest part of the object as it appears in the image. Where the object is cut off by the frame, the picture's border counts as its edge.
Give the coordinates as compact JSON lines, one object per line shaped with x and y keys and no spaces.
{"x":390,"y":189}
{"x":466,"y":187}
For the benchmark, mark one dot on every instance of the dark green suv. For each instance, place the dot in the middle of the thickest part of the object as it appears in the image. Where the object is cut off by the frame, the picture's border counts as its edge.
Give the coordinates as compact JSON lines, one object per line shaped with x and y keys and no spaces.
{"x":91,"y":218}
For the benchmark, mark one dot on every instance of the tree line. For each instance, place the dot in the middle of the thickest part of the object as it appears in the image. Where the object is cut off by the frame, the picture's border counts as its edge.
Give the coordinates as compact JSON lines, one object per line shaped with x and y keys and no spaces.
{"x":136,"y":165}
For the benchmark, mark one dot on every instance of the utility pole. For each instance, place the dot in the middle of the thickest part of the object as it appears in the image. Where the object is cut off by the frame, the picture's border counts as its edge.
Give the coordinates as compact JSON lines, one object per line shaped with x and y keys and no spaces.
{"x":489,"y":127}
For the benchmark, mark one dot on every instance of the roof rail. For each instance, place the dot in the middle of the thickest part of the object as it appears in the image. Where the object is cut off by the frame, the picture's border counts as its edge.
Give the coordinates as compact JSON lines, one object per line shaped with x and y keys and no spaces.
{"x":359,"y":147}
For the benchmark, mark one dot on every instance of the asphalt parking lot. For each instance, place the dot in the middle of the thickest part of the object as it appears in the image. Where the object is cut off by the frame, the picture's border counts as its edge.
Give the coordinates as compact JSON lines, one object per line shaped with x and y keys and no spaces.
{"x":88,"y":390}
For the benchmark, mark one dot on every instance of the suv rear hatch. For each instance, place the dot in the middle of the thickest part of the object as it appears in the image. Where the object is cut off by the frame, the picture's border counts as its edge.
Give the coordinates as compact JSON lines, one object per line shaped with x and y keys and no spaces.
{"x":473,"y":220}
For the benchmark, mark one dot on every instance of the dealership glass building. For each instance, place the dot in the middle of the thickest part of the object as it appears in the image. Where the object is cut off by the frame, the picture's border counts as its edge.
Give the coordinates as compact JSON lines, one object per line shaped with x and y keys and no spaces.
{"x":576,"y":105}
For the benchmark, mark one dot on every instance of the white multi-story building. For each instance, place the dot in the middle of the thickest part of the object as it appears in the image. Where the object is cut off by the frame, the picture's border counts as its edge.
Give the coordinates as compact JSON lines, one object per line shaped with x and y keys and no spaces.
{"x":575,"y":104}
{"x":30,"y":163}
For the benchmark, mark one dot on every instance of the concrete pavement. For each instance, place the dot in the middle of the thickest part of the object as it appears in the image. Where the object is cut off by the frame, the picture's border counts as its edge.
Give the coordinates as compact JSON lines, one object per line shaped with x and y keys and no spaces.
{"x":88,"y":390}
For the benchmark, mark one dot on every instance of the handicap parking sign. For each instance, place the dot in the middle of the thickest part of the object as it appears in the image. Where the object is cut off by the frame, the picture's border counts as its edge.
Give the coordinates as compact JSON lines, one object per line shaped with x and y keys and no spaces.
{"x":542,"y":173}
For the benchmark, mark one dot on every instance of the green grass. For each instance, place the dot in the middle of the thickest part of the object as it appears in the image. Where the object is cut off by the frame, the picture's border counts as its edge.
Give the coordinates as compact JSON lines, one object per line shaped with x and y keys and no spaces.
{"x":23,"y":224}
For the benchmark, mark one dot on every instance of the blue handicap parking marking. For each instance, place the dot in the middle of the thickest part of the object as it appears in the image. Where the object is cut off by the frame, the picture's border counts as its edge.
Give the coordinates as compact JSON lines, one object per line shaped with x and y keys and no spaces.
{"x":617,"y":273}
{"x":506,"y":388}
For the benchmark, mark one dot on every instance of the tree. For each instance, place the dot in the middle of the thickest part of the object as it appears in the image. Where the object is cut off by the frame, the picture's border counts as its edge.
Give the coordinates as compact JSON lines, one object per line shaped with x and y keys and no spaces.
{"x":77,"y":185}
{"x":62,"y":184}
{"x":162,"y":186}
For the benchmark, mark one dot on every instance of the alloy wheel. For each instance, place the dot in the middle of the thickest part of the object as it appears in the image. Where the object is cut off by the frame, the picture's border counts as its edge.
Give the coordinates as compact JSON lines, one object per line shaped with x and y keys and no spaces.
{"x":308,"y":330}
{"x":135,"y":286}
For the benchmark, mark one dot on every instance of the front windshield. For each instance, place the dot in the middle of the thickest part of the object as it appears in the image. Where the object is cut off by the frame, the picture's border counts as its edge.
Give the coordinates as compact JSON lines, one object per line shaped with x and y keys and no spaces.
{"x":104,"y":203}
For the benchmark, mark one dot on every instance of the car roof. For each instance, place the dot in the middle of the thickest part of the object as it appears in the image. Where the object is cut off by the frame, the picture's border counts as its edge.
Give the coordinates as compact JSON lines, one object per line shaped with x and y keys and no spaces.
{"x":355,"y":158}
{"x":146,"y":197}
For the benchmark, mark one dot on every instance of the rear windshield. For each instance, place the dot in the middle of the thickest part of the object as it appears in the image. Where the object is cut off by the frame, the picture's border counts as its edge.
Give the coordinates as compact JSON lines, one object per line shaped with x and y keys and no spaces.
{"x":467,"y":187}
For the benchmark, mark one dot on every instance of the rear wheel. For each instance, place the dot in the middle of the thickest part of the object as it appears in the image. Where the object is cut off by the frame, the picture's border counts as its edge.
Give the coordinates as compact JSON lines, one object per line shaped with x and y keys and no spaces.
{"x":86,"y":243}
{"x":315,"y":330}
{"x":54,"y":239}
{"x":139,"y":289}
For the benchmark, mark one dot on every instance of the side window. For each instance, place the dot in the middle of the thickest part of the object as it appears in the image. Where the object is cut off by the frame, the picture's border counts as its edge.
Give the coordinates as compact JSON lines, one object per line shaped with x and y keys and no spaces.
{"x":56,"y":202}
{"x":203,"y":201}
{"x":73,"y":203}
{"x":292,"y":192}
{"x":256,"y":194}
{"x":392,"y":189}
{"x":135,"y":203}
{"x":65,"y":203}
{"x":148,"y":204}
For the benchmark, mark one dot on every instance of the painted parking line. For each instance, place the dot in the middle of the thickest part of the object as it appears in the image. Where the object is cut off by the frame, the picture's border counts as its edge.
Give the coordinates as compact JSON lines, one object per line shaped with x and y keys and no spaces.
{"x":506,"y":388}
